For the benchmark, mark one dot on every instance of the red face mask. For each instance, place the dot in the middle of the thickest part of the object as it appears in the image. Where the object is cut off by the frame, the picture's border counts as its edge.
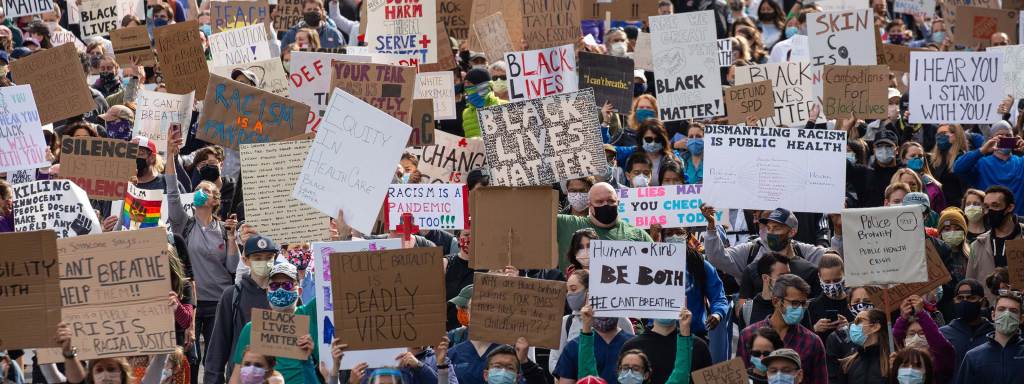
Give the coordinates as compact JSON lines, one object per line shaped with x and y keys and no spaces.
{"x":463,"y":315}
{"x":464,"y":243}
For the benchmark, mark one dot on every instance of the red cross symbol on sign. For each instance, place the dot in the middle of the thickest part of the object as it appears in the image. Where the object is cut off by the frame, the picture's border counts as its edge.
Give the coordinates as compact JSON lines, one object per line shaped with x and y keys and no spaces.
{"x":407,"y":228}
{"x":424,"y":41}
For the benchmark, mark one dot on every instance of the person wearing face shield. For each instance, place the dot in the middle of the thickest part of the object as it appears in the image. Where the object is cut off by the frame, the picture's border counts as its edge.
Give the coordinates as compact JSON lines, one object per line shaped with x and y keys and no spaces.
{"x":477,"y":86}
{"x":998,"y":359}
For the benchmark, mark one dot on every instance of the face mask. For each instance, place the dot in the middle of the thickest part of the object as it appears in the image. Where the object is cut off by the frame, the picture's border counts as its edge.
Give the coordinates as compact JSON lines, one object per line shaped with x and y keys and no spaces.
{"x":312,"y":19}
{"x":910,"y":376}
{"x":463,"y":315}
{"x":200,"y":198}
{"x":261,"y":269}
{"x":916,"y":341}
{"x":159,"y":22}
{"x":209,"y":173}
{"x":618,"y":49}
{"x":141,"y":165}
{"x":52,"y":26}
{"x":665,"y":322}
{"x":106,"y":378}
{"x":777,"y":242}
{"x":500,"y":376}
{"x":209,"y":31}
{"x":995,"y":218}
{"x":884,"y":155}
{"x":583,"y":258}
{"x":629,"y":376}
{"x":253,"y":374}
{"x":122,"y":129}
{"x":896,"y":38}
{"x":165,"y":374}
{"x":967,"y":311}
{"x":942,"y":141}
{"x":605,"y":324}
{"x":756,"y":362}
{"x":576,"y":300}
{"x":678,"y":239}
{"x":652,"y":147}
{"x":793,"y":315}
{"x":640,"y":181}
{"x":644,"y":114}
{"x":282,"y":299}
{"x":857,"y":335}
{"x":695,"y":146}
{"x":606,"y":214}
{"x":476,"y":95}
{"x":578,"y":201}
{"x":766,"y":17}
{"x":851,"y":157}
{"x":953,"y":238}
{"x":94,"y":60}
{"x":405,"y":178}
{"x":459,"y":88}
{"x":973,"y":213}
{"x":790,"y":31}
{"x":833,"y":290}
{"x":916,"y":164}
{"x":1007,"y":323}
{"x":861,"y":307}
{"x":639,"y":89}
{"x":938,"y":37}
{"x":1003,"y":151}
{"x":781,"y":378}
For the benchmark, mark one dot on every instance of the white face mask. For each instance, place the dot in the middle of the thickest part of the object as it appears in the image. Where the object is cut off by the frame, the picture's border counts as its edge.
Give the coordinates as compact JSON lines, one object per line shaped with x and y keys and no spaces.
{"x":583,"y":257}
{"x":640,"y":181}
{"x":618,"y":49}
{"x":578,"y":200}
{"x":261,"y":269}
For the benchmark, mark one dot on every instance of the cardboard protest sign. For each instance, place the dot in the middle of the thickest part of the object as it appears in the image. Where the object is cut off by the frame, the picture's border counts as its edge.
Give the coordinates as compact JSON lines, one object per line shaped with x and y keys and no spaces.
{"x":842,"y":37}
{"x":543,"y":141}
{"x":270,"y":74}
{"x":504,"y":237}
{"x":21,"y":176}
{"x":642,"y":52}
{"x":856,"y":90}
{"x":406,"y":31}
{"x":509,"y":15}
{"x":18,"y":8}
{"x":142,"y":208}
{"x":266,"y":167}
{"x":22,"y":145}
{"x":807,"y":168}
{"x":156,"y":111}
{"x":240,"y":45}
{"x":551,"y":23}
{"x":752,"y":100}
{"x":352,"y":161}
{"x":225,"y":15}
{"x":955,"y":87}
{"x":239,"y":114}
{"x":118,"y":282}
{"x":611,"y":78}
{"x":99,"y":17}
{"x":637,"y":279}
{"x":287,"y":14}
{"x":277,"y":333}
{"x":884,"y":245}
{"x":493,"y":35}
{"x":924,"y":8}
{"x":390,"y":298}
{"x":385,"y":87}
{"x":975,"y":26}
{"x":455,"y":15}
{"x":102,"y":167}
{"x":321,"y":252}
{"x":439,"y":87}
{"x":182,"y":60}
{"x":897,"y":57}
{"x":792,"y":88}
{"x":1013,"y":69}
{"x":670,"y":206}
{"x":433,"y":206}
{"x":445,"y":58}
{"x":423,"y":123}
{"x":309,"y":81}
{"x":58,"y":83}
{"x":59,"y":205}
{"x":132,"y":43}
{"x":686,"y":69}
{"x":724,"y":52}
{"x":937,"y":275}
{"x":30,"y":294}
{"x":539,"y":73}
{"x":450,"y":158}
{"x":630,"y":10}
{"x":727,"y":372}
{"x":506,"y":308}
{"x":1014,"y":252}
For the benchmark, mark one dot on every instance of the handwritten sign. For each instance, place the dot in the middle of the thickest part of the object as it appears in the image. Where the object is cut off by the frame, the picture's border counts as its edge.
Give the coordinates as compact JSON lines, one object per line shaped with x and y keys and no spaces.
{"x":511,"y":19}
{"x":672,"y":206}
{"x":724,"y":52}
{"x":239,"y":114}
{"x":385,"y":87}
{"x":100,"y":166}
{"x":924,"y":8}
{"x":506,"y":308}
{"x":58,"y":83}
{"x":611,"y":78}
{"x":423,"y":123}
{"x":955,"y":87}
{"x":564,"y":141}
{"x":543,"y":72}
{"x":642,"y":52}
{"x":1013,"y":69}
{"x":17,"y":8}
{"x":513,"y":237}
{"x":445,"y":58}
{"x":240,"y":45}
{"x":21,"y":176}
{"x":30,"y":294}
{"x":265,"y":168}
{"x":766,"y":167}
{"x":437,"y":86}
{"x":450,"y":158}
{"x":1014,"y":251}
{"x":884,"y":245}
{"x":937,"y":275}
{"x":637,"y":279}
{"x":406,"y":31}
{"x":950,"y":7}
{"x":390,"y":298}
{"x":277,"y":333}
{"x":351,"y":161}
{"x":310,"y":80}
{"x":455,"y":15}
{"x":156,"y":111}
{"x":132,"y":43}
{"x":287,"y":14}
{"x":22,"y":145}
{"x":686,"y":68}
{"x":842,"y":37}
{"x":857,"y":90}
{"x":727,"y":372}
{"x":551,"y":23}
{"x":792,"y":87}
{"x":182,"y":59}
{"x":493,"y":36}
{"x":233,"y":14}
{"x":99,"y":17}
{"x":270,"y":74}
{"x":433,"y":206}
{"x":142,"y":208}
{"x":58,"y":205}
{"x":753,"y":100}
{"x":897,"y":57}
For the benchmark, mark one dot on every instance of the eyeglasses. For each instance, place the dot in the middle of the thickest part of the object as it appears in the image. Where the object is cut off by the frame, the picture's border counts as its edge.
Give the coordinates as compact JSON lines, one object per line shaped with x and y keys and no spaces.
{"x":649,"y":139}
{"x":760,"y":353}
{"x":286,"y":285}
{"x":802,"y":303}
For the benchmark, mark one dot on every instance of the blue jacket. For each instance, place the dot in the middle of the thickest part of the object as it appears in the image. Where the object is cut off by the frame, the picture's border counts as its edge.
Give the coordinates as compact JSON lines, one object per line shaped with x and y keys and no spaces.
{"x":991,"y":363}
{"x":983,"y":171}
{"x":330,"y":36}
{"x":963,"y":338}
{"x":715,"y":293}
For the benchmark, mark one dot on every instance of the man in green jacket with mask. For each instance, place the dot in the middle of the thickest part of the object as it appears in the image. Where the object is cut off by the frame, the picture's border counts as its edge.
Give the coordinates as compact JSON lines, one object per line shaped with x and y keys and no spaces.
{"x":478,"y":95}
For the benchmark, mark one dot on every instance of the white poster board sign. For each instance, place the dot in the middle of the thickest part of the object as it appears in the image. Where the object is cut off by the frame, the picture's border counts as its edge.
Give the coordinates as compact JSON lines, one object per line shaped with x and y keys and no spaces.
{"x":450,"y":159}
{"x":352,"y":161}
{"x":670,"y":206}
{"x":59,"y":205}
{"x":99,"y":17}
{"x":155,"y":111}
{"x":270,"y":74}
{"x":22,"y":145}
{"x":686,"y":67}
{"x":955,"y":87}
{"x":840,"y":38}
{"x":924,"y":8}
{"x":637,"y":279}
{"x":803,"y":170}
{"x":433,"y":206}
{"x":1013,"y":69}
{"x":240,"y":45}
{"x":439,"y":87}
{"x":309,"y":79}
{"x":543,"y":72}
{"x":884,"y":245}
{"x":406,"y":31}
{"x":841,"y":5}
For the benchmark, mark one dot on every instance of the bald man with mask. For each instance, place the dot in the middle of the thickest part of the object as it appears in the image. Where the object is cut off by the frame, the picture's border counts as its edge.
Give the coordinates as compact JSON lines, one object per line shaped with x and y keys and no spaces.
{"x":602,"y":216}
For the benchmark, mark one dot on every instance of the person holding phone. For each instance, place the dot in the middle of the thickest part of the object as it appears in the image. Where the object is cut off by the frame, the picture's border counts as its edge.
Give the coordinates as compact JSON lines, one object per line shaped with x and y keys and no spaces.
{"x":998,"y":162}
{"x":831,"y":310}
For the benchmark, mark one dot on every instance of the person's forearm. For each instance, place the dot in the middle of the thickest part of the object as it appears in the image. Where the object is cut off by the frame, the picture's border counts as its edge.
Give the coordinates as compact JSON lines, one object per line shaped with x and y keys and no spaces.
{"x":681,"y":368}
{"x":587,"y":363}
{"x":74,"y":370}
{"x":52,"y":374}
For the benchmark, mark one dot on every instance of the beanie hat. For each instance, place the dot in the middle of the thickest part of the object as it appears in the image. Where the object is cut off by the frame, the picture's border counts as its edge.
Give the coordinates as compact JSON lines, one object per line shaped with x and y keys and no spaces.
{"x":478,"y":75}
{"x":952,"y":216}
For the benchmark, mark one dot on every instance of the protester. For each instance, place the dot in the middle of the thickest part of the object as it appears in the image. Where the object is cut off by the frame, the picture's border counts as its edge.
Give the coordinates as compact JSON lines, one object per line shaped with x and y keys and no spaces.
{"x":915,"y":329}
{"x":457,"y":277}
{"x":764,"y":341}
{"x":603,"y":219}
{"x":995,"y":361}
{"x":478,"y":95}
{"x":970,"y":326}
{"x":634,"y":365}
{"x":778,"y":230}
{"x":609,"y":340}
{"x":988,"y":251}
{"x":315,"y":18}
{"x":579,"y":251}
{"x":991,"y":166}
{"x":786,"y":366}
{"x":831,"y":310}
{"x":973,"y":205}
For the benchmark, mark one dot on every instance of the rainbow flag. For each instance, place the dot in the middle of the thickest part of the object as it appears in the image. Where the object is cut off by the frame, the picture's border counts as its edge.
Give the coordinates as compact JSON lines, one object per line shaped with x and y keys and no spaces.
{"x":141,"y":208}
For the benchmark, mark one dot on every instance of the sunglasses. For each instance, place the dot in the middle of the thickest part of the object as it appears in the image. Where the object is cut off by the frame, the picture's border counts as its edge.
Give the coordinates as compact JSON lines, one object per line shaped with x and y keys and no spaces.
{"x":286,"y":285}
{"x":648,"y":139}
{"x":760,"y":353}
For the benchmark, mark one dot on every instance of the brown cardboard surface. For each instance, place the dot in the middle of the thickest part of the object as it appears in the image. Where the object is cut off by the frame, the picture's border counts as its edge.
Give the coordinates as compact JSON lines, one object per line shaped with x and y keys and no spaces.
{"x":512,"y":14}
{"x":387,"y":87}
{"x":858,"y":89}
{"x":58,"y":82}
{"x":750,"y":100}
{"x":727,"y":372}
{"x":30,"y":289}
{"x":974,"y":26}
{"x":524,"y":238}
{"x":937,"y":275}
{"x":422,"y":123}
{"x":277,"y":333}
{"x":182,"y":61}
{"x":132,"y":42}
{"x":897,"y":57}
{"x":445,"y":57}
{"x":495,"y":39}
{"x":1015,"y":262}
{"x":389,"y":299}
{"x":227,"y":120}
{"x":550,"y":23}
{"x":102,"y":167}
{"x":223,"y":14}
{"x":506,"y":308}
{"x":620,"y":9}
{"x":455,"y":14}
{"x":287,"y":14}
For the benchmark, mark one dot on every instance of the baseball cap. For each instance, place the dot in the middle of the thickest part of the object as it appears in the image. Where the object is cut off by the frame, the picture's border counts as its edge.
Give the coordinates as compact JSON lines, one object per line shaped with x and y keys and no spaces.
{"x":258,"y":244}
{"x":462,"y":300}
{"x":477,"y":55}
{"x":917,"y":198}
{"x":145,"y":142}
{"x":247,"y":73}
{"x":782,"y":216}
{"x":26,"y":40}
{"x":893,"y":92}
{"x":887,"y":136}
{"x":286,"y":269}
{"x":639,"y":74}
{"x":118,"y":112}
{"x":783,"y":354}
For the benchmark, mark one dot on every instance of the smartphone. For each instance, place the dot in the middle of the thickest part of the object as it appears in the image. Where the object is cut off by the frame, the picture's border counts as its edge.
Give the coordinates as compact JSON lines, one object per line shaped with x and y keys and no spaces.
{"x":832,"y":314}
{"x":1007,"y":142}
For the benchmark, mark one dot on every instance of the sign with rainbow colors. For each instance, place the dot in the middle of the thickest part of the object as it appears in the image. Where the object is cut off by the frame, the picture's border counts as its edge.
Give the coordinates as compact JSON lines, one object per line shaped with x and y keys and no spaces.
{"x":141,"y":208}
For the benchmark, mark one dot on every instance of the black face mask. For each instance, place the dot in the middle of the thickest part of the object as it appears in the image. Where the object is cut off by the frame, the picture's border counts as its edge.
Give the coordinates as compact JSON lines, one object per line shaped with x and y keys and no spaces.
{"x":312,"y":19}
{"x":766,"y":17}
{"x":209,"y":173}
{"x":968,"y":311}
{"x":141,"y":165}
{"x":606,"y":214}
{"x":994,"y":218}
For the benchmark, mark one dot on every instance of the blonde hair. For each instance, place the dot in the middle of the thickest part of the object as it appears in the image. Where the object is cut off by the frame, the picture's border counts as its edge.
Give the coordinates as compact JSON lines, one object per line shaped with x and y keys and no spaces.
{"x":126,"y":369}
{"x":314,"y":38}
{"x":958,"y":147}
{"x":896,"y":178}
{"x":897,"y":186}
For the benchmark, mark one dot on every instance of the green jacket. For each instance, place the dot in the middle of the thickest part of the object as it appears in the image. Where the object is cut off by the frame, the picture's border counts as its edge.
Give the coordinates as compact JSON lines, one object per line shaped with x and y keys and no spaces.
{"x":680,"y":373}
{"x":470,"y":125}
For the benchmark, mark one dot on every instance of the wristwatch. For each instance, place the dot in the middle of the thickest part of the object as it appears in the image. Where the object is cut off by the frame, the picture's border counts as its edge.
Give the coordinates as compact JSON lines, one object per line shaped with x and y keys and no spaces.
{"x":72,"y":354}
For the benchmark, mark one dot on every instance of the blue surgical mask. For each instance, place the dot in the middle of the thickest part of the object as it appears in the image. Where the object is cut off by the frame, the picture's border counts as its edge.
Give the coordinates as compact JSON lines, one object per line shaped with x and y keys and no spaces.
{"x":500,"y":376}
{"x":942,"y":141}
{"x":793,"y":315}
{"x":790,"y":31}
{"x":477,"y":95}
{"x":652,"y":147}
{"x":695,"y":146}
{"x":910,"y":376}
{"x":665,"y":322}
{"x":781,"y":378}
{"x":207,"y":30}
{"x":938,"y":37}
{"x":916,"y":164}
{"x":199,"y":198}
{"x":644,"y":114}
{"x":756,"y":362}
{"x":281,"y":298}
{"x":851,"y":157}
{"x":857,"y":335}
{"x":629,"y":376}
{"x":159,"y":22}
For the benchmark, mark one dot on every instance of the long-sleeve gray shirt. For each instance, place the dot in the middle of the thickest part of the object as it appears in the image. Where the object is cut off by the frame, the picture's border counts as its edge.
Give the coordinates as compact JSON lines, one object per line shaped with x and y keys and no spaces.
{"x":212,"y":261}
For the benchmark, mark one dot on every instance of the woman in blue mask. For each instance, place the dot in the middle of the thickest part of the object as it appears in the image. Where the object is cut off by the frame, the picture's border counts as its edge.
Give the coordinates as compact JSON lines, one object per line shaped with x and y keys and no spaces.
{"x":869,"y":363}
{"x":654,"y":145}
{"x":693,"y":158}
{"x":915,"y":158}
{"x":764,"y":342}
{"x":950,"y":144}
{"x":645,"y":107}
{"x":913,"y":366}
